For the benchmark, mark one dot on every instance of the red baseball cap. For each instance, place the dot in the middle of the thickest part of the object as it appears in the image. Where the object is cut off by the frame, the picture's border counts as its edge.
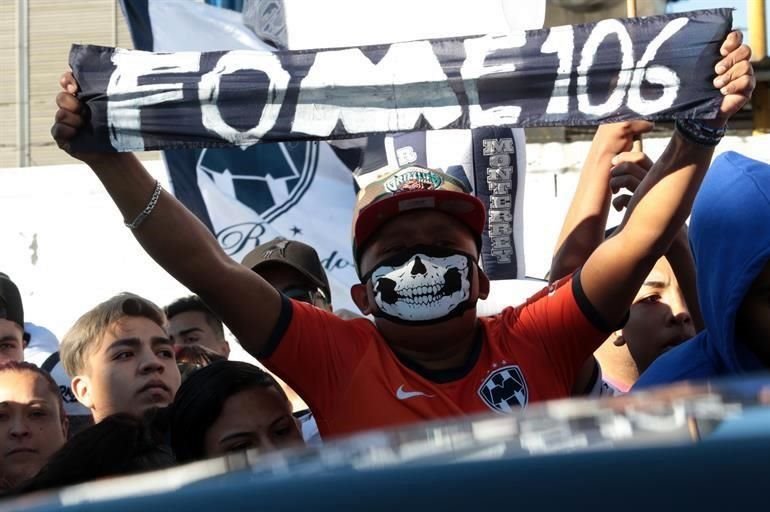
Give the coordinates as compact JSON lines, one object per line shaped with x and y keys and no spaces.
{"x":413,"y":188}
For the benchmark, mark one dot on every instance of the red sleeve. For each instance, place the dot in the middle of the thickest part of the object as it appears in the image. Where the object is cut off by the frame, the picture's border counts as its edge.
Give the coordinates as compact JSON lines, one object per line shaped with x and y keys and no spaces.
{"x":563,"y":323}
{"x":314,"y":351}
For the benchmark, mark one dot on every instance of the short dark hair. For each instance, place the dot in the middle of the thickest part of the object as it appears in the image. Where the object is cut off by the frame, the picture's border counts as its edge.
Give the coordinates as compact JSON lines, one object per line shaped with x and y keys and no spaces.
{"x":198,"y":403}
{"x":195,"y":303}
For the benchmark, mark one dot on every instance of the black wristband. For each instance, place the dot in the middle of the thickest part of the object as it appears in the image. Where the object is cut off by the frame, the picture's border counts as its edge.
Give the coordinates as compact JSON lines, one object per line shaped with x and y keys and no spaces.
{"x":698,"y":133}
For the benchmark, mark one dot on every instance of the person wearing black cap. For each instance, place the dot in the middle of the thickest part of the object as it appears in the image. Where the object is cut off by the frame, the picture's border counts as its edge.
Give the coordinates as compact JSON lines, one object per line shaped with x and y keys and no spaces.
{"x":294,"y":269}
{"x":12,"y":339}
{"x":416,"y":235}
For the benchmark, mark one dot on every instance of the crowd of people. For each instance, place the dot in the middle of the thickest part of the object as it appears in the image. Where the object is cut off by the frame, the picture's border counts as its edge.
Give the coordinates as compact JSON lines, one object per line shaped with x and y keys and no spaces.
{"x":149,"y":387}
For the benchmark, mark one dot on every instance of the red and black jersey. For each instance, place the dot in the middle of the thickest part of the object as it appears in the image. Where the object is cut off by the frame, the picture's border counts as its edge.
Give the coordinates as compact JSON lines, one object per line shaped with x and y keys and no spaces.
{"x":353,"y":381}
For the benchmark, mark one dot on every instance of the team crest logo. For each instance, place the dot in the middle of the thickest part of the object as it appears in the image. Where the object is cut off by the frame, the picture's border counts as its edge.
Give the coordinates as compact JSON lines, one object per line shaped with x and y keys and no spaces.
{"x":412,"y":179}
{"x":268,"y":178}
{"x":504,"y":389}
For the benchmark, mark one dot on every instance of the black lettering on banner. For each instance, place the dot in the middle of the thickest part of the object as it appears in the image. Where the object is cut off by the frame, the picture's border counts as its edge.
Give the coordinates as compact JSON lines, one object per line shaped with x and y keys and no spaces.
{"x":234,"y":238}
{"x":658,"y":67}
{"x":67,"y":396}
{"x":335,"y":261}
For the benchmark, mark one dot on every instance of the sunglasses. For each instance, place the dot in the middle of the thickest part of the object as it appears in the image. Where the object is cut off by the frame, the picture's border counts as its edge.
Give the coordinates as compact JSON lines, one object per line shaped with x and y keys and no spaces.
{"x":304,"y":295}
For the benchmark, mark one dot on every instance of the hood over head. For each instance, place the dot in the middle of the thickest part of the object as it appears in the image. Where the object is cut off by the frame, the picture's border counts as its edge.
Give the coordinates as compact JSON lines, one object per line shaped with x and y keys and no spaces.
{"x":730,"y":239}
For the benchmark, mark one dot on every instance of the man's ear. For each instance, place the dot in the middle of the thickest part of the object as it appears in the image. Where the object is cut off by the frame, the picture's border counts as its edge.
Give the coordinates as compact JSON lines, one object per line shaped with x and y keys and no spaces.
{"x":483,"y":284}
{"x":81,"y":388}
{"x":225,"y":349}
{"x":360,"y":296}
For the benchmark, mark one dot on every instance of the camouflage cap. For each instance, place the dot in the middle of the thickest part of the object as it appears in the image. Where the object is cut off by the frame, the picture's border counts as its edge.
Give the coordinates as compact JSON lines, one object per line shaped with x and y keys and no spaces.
{"x":413,"y":188}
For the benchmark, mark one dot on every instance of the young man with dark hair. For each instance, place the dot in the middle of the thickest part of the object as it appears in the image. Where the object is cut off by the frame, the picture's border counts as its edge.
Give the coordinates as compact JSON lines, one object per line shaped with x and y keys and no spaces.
{"x":191,"y":322}
{"x":12,"y":338}
{"x":416,"y":242}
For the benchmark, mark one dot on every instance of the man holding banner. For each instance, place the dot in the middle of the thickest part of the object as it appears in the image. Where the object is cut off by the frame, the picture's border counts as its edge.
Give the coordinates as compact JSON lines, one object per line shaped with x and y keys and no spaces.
{"x":416,"y":239}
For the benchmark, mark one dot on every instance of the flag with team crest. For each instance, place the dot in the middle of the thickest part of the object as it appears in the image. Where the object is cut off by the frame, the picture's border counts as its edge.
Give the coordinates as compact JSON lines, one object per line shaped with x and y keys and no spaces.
{"x":304,"y":190}
{"x":247,"y":196}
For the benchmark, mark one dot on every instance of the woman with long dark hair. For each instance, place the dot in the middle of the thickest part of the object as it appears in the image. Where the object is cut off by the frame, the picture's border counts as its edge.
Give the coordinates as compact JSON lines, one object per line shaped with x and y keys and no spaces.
{"x":230,"y":406}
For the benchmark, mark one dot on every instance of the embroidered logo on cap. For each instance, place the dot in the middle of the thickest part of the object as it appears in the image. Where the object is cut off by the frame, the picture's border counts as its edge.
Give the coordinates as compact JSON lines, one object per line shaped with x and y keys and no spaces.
{"x":413,"y":179}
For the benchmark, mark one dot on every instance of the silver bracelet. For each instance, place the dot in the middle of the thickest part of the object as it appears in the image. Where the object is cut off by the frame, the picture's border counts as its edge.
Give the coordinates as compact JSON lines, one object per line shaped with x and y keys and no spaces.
{"x":147,"y":209}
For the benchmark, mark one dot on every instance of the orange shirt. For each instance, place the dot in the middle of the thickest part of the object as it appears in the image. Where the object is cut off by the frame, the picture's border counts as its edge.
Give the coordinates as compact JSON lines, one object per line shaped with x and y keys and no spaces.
{"x":353,"y":381}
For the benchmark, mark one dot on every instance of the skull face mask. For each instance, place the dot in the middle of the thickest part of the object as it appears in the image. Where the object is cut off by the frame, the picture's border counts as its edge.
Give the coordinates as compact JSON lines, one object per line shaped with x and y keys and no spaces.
{"x":422,"y":284}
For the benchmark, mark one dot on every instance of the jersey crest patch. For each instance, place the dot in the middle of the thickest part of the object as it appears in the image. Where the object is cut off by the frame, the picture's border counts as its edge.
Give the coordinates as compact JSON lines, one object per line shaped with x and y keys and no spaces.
{"x":504,"y":389}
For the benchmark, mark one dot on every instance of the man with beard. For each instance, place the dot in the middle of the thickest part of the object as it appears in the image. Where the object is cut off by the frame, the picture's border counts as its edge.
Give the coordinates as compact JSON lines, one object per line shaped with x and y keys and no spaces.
{"x":416,"y":243}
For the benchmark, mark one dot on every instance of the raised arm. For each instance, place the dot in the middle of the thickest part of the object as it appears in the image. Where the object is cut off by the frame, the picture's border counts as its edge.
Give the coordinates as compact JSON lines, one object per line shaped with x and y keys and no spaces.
{"x":586,"y":220}
{"x":609,"y":167}
{"x":629,"y":169}
{"x":616,"y":269}
{"x":174,"y":237}
{"x":628,"y":173}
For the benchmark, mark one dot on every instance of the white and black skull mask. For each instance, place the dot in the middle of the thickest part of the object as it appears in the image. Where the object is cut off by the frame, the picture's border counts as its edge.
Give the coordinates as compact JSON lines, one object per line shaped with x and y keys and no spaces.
{"x":422,"y":284}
